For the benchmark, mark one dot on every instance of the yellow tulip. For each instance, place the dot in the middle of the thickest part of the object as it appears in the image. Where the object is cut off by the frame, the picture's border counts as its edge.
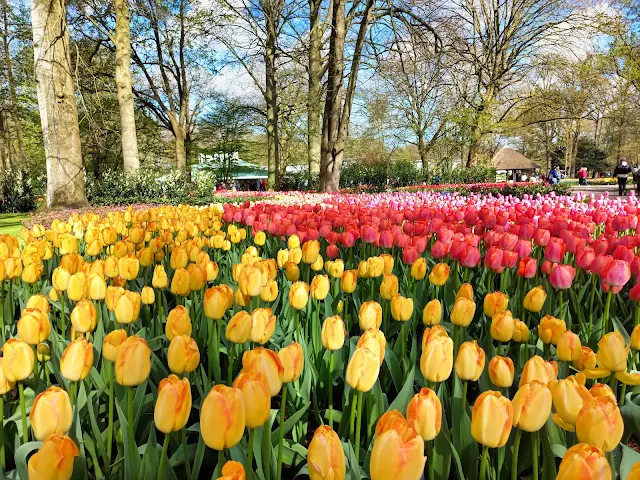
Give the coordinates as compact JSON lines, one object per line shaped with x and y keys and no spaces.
{"x":51,"y":413}
{"x":18,"y":360}
{"x":584,"y":462}
{"x":465,"y":291}
{"x":600,"y":424}
{"x":463,"y":312}
{"x":181,"y":282}
{"x":531,"y":406}
{"x":491,"y":419}
{"x":501,"y":372}
{"x":551,"y":329}
{"x":432,"y":313}
{"x":173,"y":405}
{"x":439,"y":274}
{"x":612,"y":352}
{"x":419,"y":269}
{"x":5,"y":385}
{"x":178,"y":322}
{"x":362,"y":370}
{"x":111,"y":344}
{"x":239,"y":327}
{"x":319,"y":287}
{"x":310,"y":251}
{"x":569,"y":348}
{"x":128,"y":267}
{"x":268,"y":362}
{"x":77,"y":360}
{"x":374,"y":341}
{"x":97,"y":287}
{"x":263,"y":324}
{"x":160,"y":279}
{"x":502,"y":326}
{"x":349,"y":281}
{"x":424,"y":414}
{"x":370,"y":315}
{"x":470,"y":361}
{"x":34,"y":326}
{"x":520,"y":332}
{"x":535,"y":369}
{"x":333,"y":333}
{"x":39,"y":302}
{"x":127,"y":309}
{"x":401,"y":308}
{"x":84,"y":317}
{"x":148,"y":296}
{"x":222,"y":417}
{"x":534,"y":299}
{"x":133,"y":362}
{"x":496,"y":302}
{"x":255,"y":392}
{"x":54,"y":459}
{"x":325,"y":456}
{"x":398,"y":452}
{"x":78,"y":287}
{"x":292,"y":359}
{"x":436,"y":361}
{"x":183,"y":355}
{"x":389,"y":286}
{"x":299,"y":295}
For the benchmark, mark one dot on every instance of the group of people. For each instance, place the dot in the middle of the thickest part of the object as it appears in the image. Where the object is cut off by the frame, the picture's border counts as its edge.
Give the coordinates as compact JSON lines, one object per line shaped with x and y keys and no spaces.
{"x":244,"y":185}
{"x":620,"y":173}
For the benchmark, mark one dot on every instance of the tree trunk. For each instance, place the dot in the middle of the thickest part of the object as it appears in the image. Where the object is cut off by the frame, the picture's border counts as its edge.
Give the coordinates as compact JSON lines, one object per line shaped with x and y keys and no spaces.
{"x":13,"y":98}
{"x":423,"y":150}
{"x":271,"y":98}
{"x":57,"y":103}
{"x":314,"y":107}
{"x":130,"y":158}
{"x":474,"y":144}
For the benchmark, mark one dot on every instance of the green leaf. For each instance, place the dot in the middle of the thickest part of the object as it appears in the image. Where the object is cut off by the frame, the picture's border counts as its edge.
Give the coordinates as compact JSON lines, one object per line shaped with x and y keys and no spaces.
{"x":150,"y":458}
{"x":548,"y":458}
{"x":289,"y":423}
{"x":404,"y":396}
{"x":197,"y":461}
{"x":131,"y":456}
{"x":393,"y":365}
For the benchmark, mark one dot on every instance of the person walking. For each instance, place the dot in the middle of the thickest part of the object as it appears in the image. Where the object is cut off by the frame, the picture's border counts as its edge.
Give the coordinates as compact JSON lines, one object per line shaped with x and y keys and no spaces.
{"x":621,"y":173}
{"x":636,"y":178}
{"x":554,"y":176}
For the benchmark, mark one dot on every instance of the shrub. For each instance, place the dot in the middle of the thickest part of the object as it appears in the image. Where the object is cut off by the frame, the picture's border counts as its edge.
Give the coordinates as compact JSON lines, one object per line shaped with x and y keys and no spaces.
{"x":16,"y":192}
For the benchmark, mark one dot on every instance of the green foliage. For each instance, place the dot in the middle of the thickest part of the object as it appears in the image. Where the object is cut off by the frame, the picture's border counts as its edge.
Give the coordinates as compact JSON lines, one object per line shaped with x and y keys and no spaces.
{"x":591,"y":157}
{"x":475,"y":174}
{"x":145,"y":186}
{"x":16,"y":192}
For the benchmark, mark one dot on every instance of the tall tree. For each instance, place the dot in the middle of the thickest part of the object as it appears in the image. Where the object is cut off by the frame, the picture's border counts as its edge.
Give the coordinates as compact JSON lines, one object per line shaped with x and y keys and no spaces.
{"x":11,"y":83}
{"x":57,"y":102}
{"x":496,"y":42}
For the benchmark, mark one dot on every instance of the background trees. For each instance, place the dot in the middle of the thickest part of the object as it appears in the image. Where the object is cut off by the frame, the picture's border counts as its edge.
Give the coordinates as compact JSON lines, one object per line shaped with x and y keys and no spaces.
{"x":317,"y":84}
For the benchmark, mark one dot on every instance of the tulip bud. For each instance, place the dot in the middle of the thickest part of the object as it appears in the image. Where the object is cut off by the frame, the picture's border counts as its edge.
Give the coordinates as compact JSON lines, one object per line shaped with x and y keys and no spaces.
{"x":222,"y":417}
{"x":319,"y":287}
{"x":293,"y":242}
{"x":160,"y":279}
{"x":463,"y":312}
{"x":501,"y":372}
{"x":569,"y":396}
{"x":398,"y":452}
{"x":551,"y":329}
{"x":389,"y":287}
{"x":215,"y":302}
{"x":183,"y":355}
{"x":43,"y":352}
{"x":148,"y":296}
{"x":299,"y":295}
{"x":401,"y":308}
{"x":491,"y":419}
{"x":78,"y":287}
{"x":349,"y":281}
{"x":128,"y":267}
{"x":602,"y":390}
{"x":173,"y":405}
{"x":333,"y":333}
{"x":111,"y":344}
{"x":239,"y":328}
{"x":374,"y":341}
{"x":179,"y":258}
{"x":424,"y":414}
{"x":582,"y":461}
{"x":432,"y":313}
{"x":310,"y":251}
{"x":569,"y":348}
{"x":178,"y":322}
{"x":111,"y":267}
{"x":54,"y":459}
{"x":84,"y":317}
{"x":77,"y":360}
{"x":268,"y":362}
{"x":51,"y":413}
{"x":600,"y":424}
{"x":419,"y":269}
{"x":470,"y":361}
{"x":263,"y":324}
{"x":18,"y":360}
{"x":534,"y":299}
{"x":133,"y":362}
{"x":292,"y":272}
{"x":362,"y":370}
{"x":60,"y":279}
{"x":34,"y":326}
{"x":260,"y":238}
{"x":38,"y":302}
{"x":465,"y":291}
{"x":436,"y":361}
{"x":292,"y":359}
{"x":502,"y":326}
{"x":181,"y":282}
{"x":335,"y":268}
{"x":439,"y":274}
{"x":269,"y":292}
{"x":535,"y":369}
{"x":612,"y":352}
{"x":370,"y":315}
{"x":128,"y":307}
{"x":255,"y":392}
{"x":520,"y":332}
{"x":496,"y":302}
{"x":112,"y":297}
{"x":587,"y":360}
{"x":325,"y":457}
{"x":97,"y":287}
{"x":531,"y":406}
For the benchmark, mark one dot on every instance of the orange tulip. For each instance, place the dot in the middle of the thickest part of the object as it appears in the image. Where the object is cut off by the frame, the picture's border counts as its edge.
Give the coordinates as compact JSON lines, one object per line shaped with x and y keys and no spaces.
{"x":325,"y":456}
{"x":222,"y":417}
{"x":398,"y":452}
{"x":268,"y":362}
{"x":54,"y":459}
{"x":491,"y":419}
{"x":255,"y":392}
{"x":424,"y":414}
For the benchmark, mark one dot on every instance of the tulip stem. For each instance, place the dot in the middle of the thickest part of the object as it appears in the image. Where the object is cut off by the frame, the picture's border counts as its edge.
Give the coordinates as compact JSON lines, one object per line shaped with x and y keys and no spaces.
{"x":250,"y":454}
{"x":591,"y":300}
{"x":352,"y":417}
{"x":403,"y":346}
{"x":165,"y":448}
{"x":232,"y":349}
{"x":330,"y":389}
{"x":4,"y":338}
{"x":605,"y":316}
{"x":358,"y":425}
{"x":430,"y":458}
{"x":23,"y":410}
{"x":130,"y":419}
{"x":64,"y":322}
{"x":636,"y":316}
{"x":73,"y":387}
{"x":112,"y":368}
{"x":514,"y":457}
{"x":484,"y":462}
{"x":218,"y":471}
{"x":281,"y":429}
{"x":2,"y":460}
{"x":612,"y":464}
{"x":561,"y":312}
{"x":36,"y":374}
{"x":456,"y":340}
{"x":535,"y":437}
{"x":186,"y":455}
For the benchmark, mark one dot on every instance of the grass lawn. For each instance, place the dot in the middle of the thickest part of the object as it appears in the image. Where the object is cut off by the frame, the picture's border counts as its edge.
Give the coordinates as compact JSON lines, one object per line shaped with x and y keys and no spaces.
{"x":11,"y":222}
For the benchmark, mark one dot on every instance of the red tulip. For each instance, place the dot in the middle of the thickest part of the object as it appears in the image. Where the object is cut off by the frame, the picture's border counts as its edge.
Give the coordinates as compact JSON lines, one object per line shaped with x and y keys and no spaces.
{"x":470,"y":257}
{"x":541,"y":237}
{"x":493,"y":259}
{"x":555,"y":250}
{"x":409,"y":255}
{"x":527,"y":267}
{"x":332,"y":251}
{"x":617,"y":273}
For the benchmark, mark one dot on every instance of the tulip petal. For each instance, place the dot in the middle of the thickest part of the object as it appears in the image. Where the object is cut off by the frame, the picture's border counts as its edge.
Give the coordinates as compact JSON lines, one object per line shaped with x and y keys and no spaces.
{"x":592,"y":373}
{"x":629,"y":378}
{"x":562,"y":424}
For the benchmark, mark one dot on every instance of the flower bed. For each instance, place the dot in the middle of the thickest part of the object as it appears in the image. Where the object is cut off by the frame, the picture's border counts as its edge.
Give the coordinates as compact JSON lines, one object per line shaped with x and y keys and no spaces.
{"x":399,"y":335}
